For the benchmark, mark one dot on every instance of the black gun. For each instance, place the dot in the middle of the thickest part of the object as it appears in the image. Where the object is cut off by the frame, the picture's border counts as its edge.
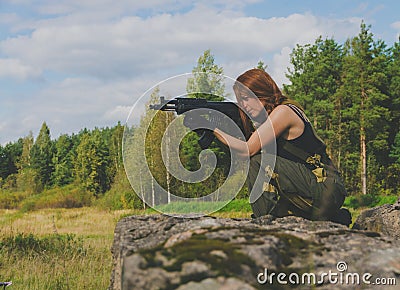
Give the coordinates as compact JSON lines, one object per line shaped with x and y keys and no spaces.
{"x":181,"y":105}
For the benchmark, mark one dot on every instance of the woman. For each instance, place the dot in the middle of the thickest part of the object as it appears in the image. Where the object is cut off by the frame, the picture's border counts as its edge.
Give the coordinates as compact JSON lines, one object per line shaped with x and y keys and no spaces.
{"x":303,"y":181}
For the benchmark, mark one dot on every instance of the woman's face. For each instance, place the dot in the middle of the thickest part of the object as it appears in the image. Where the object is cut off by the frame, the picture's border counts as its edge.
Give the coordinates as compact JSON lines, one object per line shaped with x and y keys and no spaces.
{"x":252,"y":106}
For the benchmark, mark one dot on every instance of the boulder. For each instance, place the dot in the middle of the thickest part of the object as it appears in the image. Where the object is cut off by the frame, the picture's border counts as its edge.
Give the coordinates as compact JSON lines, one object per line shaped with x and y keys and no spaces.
{"x":383,"y":219}
{"x":161,"y":252}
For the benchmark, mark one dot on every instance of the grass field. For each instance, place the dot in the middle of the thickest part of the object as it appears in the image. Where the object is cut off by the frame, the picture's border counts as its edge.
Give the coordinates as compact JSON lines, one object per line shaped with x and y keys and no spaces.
{"x":61,"y":248}
{"x":57,"y":248}
{"x":68,"y":248}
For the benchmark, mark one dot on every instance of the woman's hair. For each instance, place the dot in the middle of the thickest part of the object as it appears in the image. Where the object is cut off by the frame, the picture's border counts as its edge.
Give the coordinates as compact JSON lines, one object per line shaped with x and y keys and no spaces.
{"x":264,"y":87}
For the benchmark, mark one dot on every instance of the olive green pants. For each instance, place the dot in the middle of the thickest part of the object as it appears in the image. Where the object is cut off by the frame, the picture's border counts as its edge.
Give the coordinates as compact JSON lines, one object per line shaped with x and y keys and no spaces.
{"x":291,"y":188}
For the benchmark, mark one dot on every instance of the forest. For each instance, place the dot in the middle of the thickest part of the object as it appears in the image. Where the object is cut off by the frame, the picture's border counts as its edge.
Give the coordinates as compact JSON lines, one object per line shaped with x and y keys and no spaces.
{"x":349,"y":91}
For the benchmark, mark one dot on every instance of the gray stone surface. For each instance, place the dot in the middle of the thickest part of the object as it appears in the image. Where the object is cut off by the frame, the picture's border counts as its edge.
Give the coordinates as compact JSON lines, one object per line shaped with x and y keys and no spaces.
{"x":383,"y":219}
{"x":160,"y":252}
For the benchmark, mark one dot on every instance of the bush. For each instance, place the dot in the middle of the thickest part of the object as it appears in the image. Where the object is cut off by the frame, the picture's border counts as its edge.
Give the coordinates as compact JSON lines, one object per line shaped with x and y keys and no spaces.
{"x":120,"y":196}
{"x":28,"y":245}
{"x":70,"y":196}
{"x":115,"y":200}
{"x":11,"y":200}
{"x":28,"y":205}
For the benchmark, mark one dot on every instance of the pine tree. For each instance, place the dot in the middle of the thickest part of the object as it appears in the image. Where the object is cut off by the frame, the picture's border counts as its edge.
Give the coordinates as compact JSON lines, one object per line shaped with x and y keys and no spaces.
{"x":393,"y":170}
{"x":365,"y":105}
{"x":10,"y":156}
{"x":62,"y":161}
{"x":25,"y":158}
{"x":91,"y":162}
{"x":41,"y":155}
{"x":315,"y":77}
{"x":116,"y":146}
{"x":393,"y":73}
{"x":261,"y":65}
{"x":3,"y":165}
{"x":29,"y":178}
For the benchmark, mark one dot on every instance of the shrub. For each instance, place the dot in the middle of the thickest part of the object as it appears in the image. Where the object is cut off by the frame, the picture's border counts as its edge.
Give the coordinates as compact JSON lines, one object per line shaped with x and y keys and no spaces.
{"x":69,"y":196}
{"x":120,"y":196}
{"x":11,"y":200}
{"x":29,"y":245}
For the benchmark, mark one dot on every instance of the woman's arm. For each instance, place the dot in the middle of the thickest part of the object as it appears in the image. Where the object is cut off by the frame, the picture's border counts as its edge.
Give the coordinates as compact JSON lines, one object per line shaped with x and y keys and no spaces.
{"x":282,"y":119}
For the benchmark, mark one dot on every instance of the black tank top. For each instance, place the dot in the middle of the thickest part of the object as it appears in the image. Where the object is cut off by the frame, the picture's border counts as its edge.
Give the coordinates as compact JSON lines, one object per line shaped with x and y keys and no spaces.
{"x":307,"y":141}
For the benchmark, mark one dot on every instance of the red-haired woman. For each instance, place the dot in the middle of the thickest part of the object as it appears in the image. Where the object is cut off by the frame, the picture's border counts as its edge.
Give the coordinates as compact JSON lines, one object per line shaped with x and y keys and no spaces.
{"x":303,"y":180}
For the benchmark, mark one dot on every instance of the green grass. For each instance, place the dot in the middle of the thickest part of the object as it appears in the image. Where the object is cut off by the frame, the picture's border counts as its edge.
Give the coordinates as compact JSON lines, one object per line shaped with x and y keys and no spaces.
{"x":368,"y":200}
{"x":235,"y":208}
{"x":237,"y":205}
{"x":64,"y":248}
{"x":57,"y":248}
{"x":60,"y":256}
{"x":67,"y":248}
{"x":69,"y":196}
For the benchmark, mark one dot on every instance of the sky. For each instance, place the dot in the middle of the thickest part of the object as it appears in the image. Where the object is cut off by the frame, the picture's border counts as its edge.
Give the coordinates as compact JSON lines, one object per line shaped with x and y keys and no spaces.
{"x":78,"y":64}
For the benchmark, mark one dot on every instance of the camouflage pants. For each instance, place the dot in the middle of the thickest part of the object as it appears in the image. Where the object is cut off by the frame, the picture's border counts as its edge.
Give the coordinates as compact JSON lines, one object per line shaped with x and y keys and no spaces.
{"x":294,"y":189}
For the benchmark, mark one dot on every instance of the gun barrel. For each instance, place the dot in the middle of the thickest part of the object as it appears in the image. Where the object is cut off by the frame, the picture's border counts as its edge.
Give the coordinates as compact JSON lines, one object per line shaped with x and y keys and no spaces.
{"x":165,"y":105}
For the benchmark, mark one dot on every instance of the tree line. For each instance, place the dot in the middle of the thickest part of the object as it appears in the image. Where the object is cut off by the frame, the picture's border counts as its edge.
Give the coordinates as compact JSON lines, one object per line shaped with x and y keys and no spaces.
{"x":90,"y":158}
{"x":349,"y":91}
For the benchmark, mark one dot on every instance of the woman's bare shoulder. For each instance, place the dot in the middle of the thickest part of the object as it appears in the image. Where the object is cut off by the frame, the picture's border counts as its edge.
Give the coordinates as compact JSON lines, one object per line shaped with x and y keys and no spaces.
{"x":283,"y":113}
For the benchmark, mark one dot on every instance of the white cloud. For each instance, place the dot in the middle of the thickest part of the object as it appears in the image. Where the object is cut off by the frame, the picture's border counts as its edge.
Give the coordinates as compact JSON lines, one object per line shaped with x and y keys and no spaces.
{"x":2,"y":125}
{"x":14,"y":68}
{"x":396,"y":25}
{"x":9,"y":18}
{"x":133,"y":45}
{"x":105,"y":58}
{"x":280,"y":64}
{"x":118,"y":113}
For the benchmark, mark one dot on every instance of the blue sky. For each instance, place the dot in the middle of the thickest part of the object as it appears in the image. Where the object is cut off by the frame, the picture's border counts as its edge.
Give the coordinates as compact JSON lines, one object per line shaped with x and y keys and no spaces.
{"x":77,"y":64}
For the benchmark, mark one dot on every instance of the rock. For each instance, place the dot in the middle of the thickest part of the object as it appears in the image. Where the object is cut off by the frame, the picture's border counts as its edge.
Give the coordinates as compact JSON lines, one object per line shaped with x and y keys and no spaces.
{"x":221,"y":283}
{"x":160,"y":252}
{"x":396,"y":205}
{"x":383,"y":219}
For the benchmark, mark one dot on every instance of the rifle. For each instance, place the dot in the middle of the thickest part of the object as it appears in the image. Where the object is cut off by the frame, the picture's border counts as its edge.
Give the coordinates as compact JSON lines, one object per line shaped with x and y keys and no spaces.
{"x":181,"y":105}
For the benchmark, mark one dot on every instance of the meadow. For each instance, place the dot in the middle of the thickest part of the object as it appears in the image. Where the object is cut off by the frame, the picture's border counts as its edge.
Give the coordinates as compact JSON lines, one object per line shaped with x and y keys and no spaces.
{"x":59,"y":248}
{"x":62,"y":248}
